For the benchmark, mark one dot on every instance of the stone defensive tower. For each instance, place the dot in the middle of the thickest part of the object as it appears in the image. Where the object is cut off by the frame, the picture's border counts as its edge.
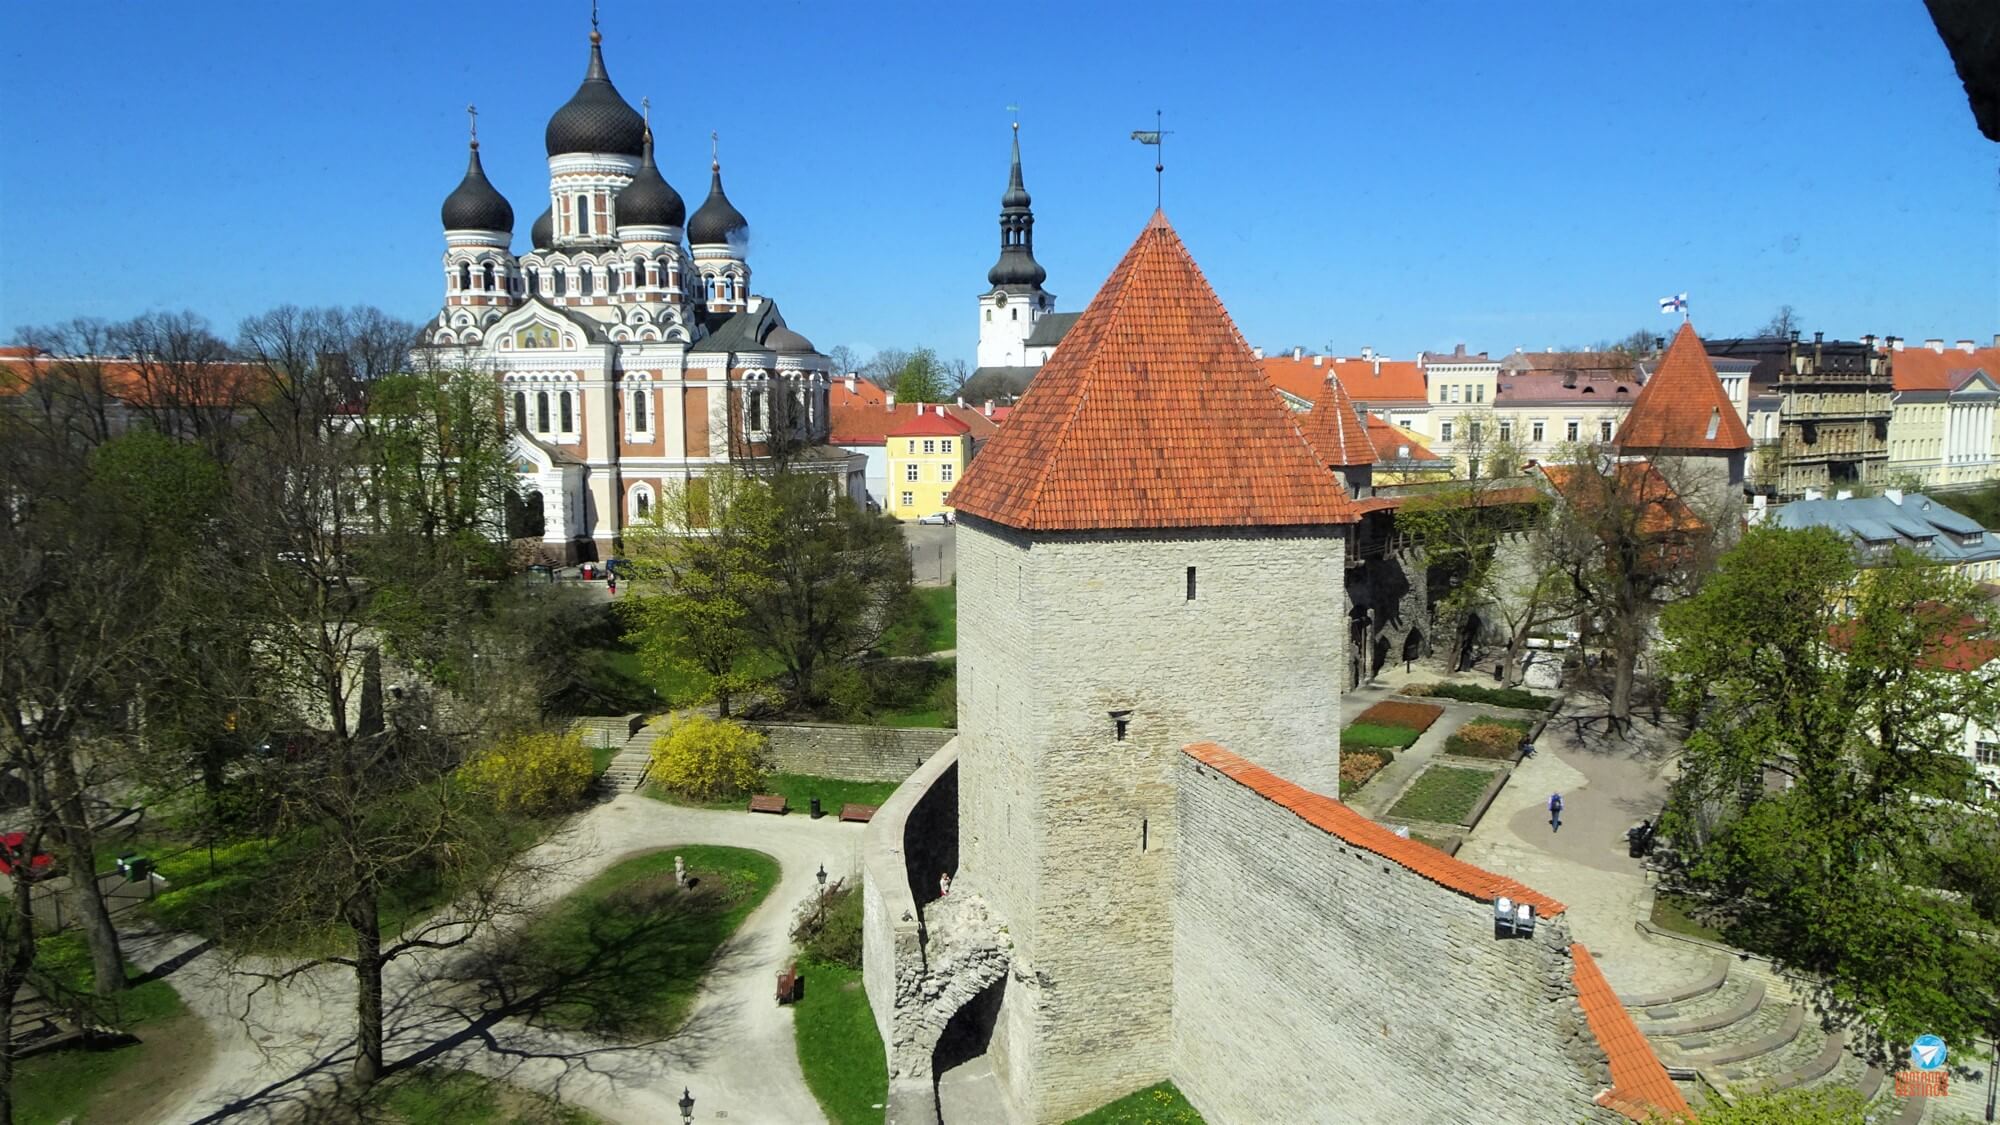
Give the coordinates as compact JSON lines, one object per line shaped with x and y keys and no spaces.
{"x":1150,"y":553}
{"x":1684,"y":422}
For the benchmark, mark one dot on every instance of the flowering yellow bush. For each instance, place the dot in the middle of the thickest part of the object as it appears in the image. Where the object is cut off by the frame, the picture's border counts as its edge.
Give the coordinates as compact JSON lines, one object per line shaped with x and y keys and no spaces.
{"x":534,"y":773}
{"x":705,"y":758}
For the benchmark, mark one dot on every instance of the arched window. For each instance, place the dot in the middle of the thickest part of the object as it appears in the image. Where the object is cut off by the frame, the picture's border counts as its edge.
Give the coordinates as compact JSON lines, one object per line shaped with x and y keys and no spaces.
{"x":670,"y":273}
{"x":541,"y":412}
{"x":562,"y":282}
{"x":729,"y":289}
{"x":583,"y":281}
{"x":464,"y":276}
{"x":642,"y":502}
{"x":534,"y":281}
{"x":611,"y":280}
{"x":639,"y":411}
{"x":583,"y":214}
{"x":486,"y":276}
{"x":568,"y":417}
{"x":756,"y":411}
{"x":520,"y":410}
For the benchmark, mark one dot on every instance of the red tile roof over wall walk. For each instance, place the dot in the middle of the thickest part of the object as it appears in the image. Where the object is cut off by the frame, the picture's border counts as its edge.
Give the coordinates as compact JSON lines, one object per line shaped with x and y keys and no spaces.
{"x":1336,"y":432}
{"x":1152,"y":414}
{"x":1640,"y":1088}
{"x":1683,"y":406}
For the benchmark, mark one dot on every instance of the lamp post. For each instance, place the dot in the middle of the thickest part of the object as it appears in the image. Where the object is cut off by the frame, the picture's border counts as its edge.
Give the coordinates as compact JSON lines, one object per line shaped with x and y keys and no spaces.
{"x":822,"y":895}
{"x":687,"y":1105}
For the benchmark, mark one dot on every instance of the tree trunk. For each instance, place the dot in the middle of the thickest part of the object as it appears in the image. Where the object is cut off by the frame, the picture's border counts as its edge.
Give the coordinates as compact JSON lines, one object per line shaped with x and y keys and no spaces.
{"x":1624,"y":661}
{"x":364,"y":918}
{"x":78,"y":845}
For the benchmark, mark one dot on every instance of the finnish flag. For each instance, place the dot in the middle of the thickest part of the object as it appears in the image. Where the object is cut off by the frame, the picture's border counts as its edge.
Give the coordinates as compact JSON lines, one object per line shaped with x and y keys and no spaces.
{"x":1674,"y":304}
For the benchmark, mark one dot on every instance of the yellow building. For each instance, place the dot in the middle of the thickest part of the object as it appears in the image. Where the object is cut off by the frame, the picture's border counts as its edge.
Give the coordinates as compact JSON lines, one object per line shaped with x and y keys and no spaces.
{"x":927,"y":457}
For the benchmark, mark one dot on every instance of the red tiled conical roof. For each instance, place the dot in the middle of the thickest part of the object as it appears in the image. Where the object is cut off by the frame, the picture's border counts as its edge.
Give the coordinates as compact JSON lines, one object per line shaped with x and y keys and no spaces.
{"x":1683,"y":406}
{"x":1152,"y":414}
{"x":1335,"y":431}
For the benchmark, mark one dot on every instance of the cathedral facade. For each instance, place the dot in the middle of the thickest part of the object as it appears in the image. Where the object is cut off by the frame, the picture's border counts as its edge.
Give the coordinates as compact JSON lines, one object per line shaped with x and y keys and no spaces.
{"x":634,"y":358}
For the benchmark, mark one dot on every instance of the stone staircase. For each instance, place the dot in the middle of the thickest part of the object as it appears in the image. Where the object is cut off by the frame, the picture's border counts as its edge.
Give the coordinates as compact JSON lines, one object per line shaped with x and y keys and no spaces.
{"x":1741,"y":1028}
{"x":627,"y":770}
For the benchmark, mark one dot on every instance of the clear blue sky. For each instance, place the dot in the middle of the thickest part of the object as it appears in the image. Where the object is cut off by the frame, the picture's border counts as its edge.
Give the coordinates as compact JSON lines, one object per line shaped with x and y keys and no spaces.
{"x":1397,"y":175}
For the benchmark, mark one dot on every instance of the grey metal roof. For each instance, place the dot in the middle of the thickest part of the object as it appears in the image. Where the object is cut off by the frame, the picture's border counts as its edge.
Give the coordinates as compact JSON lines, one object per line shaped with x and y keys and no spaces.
{"x":1050,"y":330}
{"x":475,"y":204}
{"x":543,"y":234}
{"x":649,"y":200}
{"x":717,"y":220}
{"x":596,"y":118}
{"x":1918,"y":522}
{"x":739,"y":332}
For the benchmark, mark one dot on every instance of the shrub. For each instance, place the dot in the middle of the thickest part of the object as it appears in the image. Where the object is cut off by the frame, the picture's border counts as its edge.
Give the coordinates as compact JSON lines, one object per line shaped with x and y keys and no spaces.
{"x":1416,"y":716}
{"x":1487,"y":738}
{"x":1497,"y":697}
{"x":705,"y":758}
{"x":534,"y":773}
{"x":1365,"y":736}
{"x":1356,"y":768}
{"x":944,"y":698}
{"x":832,"y":934}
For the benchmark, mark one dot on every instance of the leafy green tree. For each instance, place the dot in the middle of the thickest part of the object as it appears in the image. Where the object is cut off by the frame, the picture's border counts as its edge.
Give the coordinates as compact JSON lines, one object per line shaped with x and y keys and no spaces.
{"x":1484,"y":553}
{"x":1823,"y":794}
{"x":921,"y":378}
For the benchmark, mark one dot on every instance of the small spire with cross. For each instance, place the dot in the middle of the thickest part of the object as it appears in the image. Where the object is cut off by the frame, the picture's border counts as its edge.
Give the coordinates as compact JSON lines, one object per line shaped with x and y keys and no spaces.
{"x":646,"y":110}
{"x":472,"y":116}
{"x":714,"y":150}
{"x":595,"y":35}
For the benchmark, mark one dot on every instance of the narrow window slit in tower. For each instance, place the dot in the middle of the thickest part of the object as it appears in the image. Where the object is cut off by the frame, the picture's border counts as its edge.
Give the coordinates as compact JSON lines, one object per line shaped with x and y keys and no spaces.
{"x":1120,"y":720}
{"x":1190,"y":576}
{"x":1142,"y":833}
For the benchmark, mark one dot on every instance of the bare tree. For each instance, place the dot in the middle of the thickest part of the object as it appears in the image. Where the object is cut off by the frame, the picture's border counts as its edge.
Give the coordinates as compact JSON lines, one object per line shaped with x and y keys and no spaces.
{"x":182,"y":379}
{"x":1783,"y":323}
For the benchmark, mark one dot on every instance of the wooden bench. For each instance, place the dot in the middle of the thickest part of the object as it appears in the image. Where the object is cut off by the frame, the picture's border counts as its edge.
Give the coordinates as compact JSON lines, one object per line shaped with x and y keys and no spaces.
{"x":788,"y":983}
{"x":859,"y":814}
{"x":768,"y":802}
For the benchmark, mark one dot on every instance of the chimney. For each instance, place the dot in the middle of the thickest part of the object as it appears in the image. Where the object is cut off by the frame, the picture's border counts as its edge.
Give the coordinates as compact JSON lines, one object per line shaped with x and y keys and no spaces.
{"x":1996,"y":339}
{"x":849,"y":380}
{"x":1819,"y":339}
{"x":1378,"y":364}
{"x":1458,"y":352}
{"x":1965,"y":346}
{"x":1896,"y":342}
{"x":1367,"y":352}
{"x":889,"y":400}
{"x":1935,"y":345}
{"x":1895,"y":495}
{"x":1319,"y":361}
{"x":988,"y":411}
{"x":1257,"y":353}
{"x":1844,"y":494}
{"x":1296,"y":353}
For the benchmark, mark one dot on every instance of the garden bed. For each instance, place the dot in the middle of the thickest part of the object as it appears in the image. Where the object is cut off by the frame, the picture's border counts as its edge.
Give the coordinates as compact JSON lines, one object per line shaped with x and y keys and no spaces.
{"x":1358,"y":767}
{"x":1515,"y":698}
{"x":1375,"y":736}
{"x":1493,"y":739}
{"x":1443,"y":795}
{"x":1399,"y":713}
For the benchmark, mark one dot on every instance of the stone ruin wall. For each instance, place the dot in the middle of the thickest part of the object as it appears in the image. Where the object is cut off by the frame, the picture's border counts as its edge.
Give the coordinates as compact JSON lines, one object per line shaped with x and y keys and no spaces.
{"x":1315,"y":981}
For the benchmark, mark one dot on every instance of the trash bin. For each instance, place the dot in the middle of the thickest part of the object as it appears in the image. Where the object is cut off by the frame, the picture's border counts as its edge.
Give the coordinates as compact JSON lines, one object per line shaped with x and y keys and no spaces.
{"x":815,"y":808}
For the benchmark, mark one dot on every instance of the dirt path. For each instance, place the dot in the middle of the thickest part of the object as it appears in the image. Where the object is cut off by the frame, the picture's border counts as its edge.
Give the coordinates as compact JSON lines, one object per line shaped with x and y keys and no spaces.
{"x":275,"y":1048}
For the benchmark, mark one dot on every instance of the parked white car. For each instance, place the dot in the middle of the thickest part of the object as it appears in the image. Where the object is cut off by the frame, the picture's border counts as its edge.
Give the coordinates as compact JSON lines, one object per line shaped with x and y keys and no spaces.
{"x":935,"y":517}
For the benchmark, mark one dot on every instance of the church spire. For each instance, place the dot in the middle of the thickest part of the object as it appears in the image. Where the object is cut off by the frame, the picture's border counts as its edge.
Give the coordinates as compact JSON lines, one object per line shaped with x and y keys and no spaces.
{"x":1017,"y":268}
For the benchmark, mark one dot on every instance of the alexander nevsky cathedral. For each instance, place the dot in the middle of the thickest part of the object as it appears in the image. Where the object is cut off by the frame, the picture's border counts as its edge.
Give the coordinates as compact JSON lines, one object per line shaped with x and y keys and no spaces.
{"x":633,"y":354}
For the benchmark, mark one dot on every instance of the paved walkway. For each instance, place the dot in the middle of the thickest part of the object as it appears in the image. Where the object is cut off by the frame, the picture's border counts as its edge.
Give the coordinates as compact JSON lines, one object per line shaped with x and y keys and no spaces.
{"x":277,"y":1046}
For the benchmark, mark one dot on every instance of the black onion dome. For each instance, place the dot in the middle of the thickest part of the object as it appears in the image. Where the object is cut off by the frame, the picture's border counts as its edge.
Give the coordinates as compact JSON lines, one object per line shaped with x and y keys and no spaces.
{"x":717,"y":219}
{"x":783,"y":339}
{"x":649,"y":200}
{"x":596,"y":118}
{"x":475,"y":204}
{"x":1016,"y":267}
{"x":543,"y":234}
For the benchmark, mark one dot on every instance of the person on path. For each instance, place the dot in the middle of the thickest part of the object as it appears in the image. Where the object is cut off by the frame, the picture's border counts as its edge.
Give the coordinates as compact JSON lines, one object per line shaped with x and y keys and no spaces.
{"x":611,"y":585}
{"x":1555,"y":812}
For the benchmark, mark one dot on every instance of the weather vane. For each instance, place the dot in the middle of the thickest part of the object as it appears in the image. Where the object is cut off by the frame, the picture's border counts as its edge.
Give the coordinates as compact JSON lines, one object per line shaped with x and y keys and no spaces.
{"x":593,"y":15}
{"x":1156,"y":137}
{"x":1016,"y":111}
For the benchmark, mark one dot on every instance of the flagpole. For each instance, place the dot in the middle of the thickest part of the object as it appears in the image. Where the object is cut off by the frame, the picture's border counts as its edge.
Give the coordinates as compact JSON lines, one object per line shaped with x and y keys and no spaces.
{"x":1160,"y":163}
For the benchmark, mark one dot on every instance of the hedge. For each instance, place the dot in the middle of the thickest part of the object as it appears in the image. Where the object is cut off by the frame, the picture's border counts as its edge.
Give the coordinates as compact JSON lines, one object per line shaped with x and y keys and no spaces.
{"x":1497,"y":697}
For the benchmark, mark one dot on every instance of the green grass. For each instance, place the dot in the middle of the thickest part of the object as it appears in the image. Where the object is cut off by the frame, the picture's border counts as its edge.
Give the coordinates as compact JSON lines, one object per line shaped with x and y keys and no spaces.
{"x":459,"y":1097}
{"x":1364,"y":736}
{"x":1443,"y":795}
{"x":798,"y":789}
{"x":914,"y":717}
{"x":1675,"y":913}
{"x":1497,"y":697}
{"x":600,"y":757}
{"x":1154,"y":1105}
{"x":60,"y":1085}
{"x":930,"y":626}
{"x":624,"y":954}
{"x":840,"y":1050}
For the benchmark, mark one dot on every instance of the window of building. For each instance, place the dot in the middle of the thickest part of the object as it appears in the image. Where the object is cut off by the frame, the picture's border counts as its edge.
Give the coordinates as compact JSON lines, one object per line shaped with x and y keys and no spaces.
{"x":1571,"y":429}
{"x":909,"y":499}
{"x":534,"y":281}
{"x":756,"y":410}
{"x":1479,"y":392}
{"x":568,"y":417}
{"x":1535,"y":431}
{"x":930,"y":446}
{"x":1604,"y":429}
{"x":584,"y":281}
{"x":642,"y":502}
{"x":639,"y":420}
{"x":464,"y":276}
{"x":910,"y":472}
{"x":582,"y":215}
{"x":541,"y":412}
{"x":1121,"y":722}
{"x":1453,"y":396}
{"x":913,"y":445}
{"x":1190,"y":583}
{"x":1472,"y":432}
{"x":989,"y":316}
{"x":486,"y":277}
{"x":520,"y":410}
{"x":944,"y":472}
{"x":1987,"y":753}
{"x":562,"y":282}
{"x":1013,"y":314}
{"x":1506,"y":429}
{"x":1444,"y":431}
{"x":944,"y":445}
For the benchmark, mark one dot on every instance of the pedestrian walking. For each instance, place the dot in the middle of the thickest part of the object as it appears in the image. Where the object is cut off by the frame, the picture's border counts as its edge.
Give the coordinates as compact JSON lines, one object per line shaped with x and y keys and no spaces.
{"x":1555,"y":812}
{"x":611,"y":585}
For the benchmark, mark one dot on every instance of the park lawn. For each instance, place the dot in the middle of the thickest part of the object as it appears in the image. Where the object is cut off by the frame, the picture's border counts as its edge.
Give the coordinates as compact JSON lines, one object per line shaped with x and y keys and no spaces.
{"x":624,"y":954}
{"x":1154,"y":1105}
{"x":1370,"y":736}
{"x":840,"y":1049}
{"x":932,"y":625}
{"x":600,"y":757}
{"x":927,"y":716}
{"x":112,"y":1084}
{"x":798,"y":789}
{"x":459,"y":1097}
{"x":1443,"y":794}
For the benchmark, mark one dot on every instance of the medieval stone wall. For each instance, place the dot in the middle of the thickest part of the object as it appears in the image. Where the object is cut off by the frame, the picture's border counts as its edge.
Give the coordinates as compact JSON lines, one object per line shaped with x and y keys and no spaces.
{"x":1067,"y":822}
{"x":1315,"y":981}
{"x":851,"y":753}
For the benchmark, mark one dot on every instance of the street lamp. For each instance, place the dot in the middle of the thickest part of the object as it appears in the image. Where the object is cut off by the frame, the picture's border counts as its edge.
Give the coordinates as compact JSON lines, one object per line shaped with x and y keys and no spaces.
{"x":822,"y":895}
{"x":687,"y":1105}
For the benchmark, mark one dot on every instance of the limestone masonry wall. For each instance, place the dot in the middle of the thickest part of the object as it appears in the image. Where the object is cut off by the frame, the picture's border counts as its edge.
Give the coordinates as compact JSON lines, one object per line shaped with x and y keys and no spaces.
{"x":1315,"y":981}
{"x":851,"y":753}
